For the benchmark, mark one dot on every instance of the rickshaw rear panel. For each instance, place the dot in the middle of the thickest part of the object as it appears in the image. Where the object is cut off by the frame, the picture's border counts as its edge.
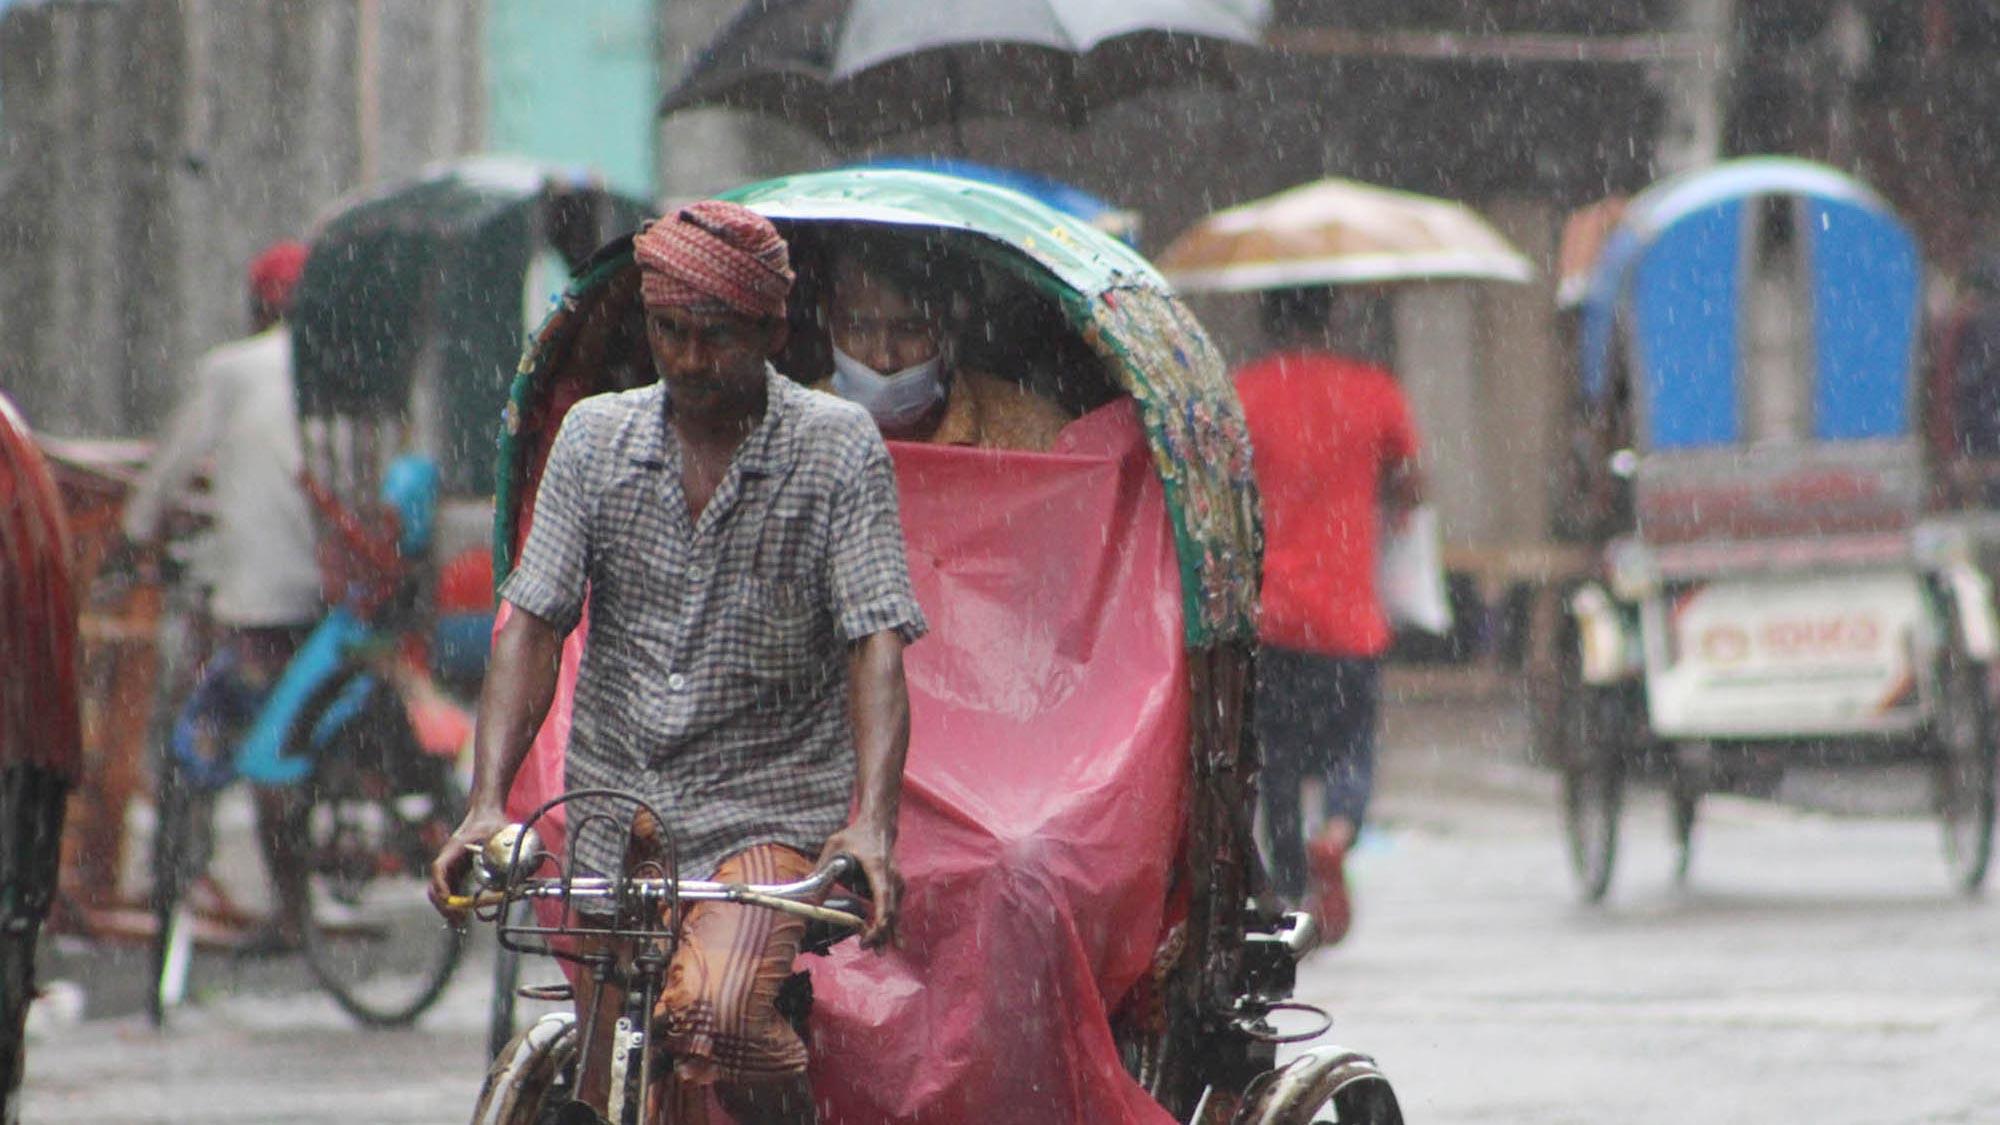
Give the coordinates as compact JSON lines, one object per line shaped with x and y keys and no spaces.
{"x":1777,"y":584}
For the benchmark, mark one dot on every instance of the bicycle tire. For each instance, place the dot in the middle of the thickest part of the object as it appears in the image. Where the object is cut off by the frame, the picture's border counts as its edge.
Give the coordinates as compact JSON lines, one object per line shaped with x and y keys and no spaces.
{"x":1964,"y":774}
{"x":377,"y":810}
{"x":174,"y":863}
{"x":529,"y":1073}
{"x":177,"y":858}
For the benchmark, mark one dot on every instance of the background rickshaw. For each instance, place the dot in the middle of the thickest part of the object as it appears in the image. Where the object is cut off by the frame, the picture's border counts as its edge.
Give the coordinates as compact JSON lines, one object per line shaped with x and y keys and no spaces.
{"x":407,"y":320}
{"x":1774,"y":588}
{"x":1075,"y":829}
{"x":41,"y":755}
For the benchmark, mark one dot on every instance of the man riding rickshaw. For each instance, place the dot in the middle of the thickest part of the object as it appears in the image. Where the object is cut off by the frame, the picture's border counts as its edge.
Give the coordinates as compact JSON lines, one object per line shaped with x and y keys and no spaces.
{"x":1079,"y":938}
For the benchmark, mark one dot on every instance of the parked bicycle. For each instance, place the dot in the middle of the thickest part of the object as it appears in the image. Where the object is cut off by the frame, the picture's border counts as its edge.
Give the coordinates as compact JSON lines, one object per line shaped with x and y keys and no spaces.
{"x":352,"y":804}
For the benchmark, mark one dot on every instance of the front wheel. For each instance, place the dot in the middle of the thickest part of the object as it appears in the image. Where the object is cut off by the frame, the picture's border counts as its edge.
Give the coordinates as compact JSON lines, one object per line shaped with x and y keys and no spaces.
{"x":1963,"y":733}
{"x":1323,"y":1084}
{"x":1593,"y":786}
{"x":532,"y":1072}
{"x":1685,"y":806}
{"x":176,"y":862}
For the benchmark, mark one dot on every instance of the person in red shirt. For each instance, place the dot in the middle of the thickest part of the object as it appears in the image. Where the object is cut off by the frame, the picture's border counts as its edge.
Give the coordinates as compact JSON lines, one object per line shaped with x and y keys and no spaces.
{"x":1334,"y":454}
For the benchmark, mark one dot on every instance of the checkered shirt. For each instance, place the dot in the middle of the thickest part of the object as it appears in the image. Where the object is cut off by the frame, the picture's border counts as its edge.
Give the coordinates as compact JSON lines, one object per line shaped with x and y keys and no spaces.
{"x":714,"y":679}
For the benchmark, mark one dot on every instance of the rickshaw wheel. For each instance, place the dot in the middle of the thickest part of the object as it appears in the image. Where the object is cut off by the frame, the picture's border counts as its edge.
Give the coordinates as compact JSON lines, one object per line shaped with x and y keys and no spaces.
{"x":1963,"y":732}
{"x":379,"y":809}
{"x":1684,"y":806}
{"x":1324,"y":1085}
{"x":1593,"y":785}
{"x":531,"y":1073}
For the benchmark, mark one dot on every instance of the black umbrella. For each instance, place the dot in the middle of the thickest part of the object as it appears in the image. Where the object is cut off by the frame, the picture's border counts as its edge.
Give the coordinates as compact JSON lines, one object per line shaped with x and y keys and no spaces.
{"x":853,"y":71}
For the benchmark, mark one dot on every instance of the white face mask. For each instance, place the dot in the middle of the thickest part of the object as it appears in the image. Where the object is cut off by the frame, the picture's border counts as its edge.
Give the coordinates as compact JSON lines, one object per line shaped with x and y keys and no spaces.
{"x":896,"y":401}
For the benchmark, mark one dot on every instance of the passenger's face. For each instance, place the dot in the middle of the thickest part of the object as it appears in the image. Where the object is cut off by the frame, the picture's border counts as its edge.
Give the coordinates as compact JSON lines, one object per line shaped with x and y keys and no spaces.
{"x":711,"y":360}
{"x":878,"y":324}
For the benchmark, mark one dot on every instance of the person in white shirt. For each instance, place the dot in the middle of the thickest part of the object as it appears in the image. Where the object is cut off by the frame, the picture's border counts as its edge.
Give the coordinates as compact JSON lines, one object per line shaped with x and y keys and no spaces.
{"x":259,"y":562}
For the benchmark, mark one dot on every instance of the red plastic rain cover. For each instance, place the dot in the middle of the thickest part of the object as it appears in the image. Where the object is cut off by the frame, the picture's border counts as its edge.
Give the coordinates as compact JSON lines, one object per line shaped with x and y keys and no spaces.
{"x":1042,"y":804}
{"x":39,"y":721}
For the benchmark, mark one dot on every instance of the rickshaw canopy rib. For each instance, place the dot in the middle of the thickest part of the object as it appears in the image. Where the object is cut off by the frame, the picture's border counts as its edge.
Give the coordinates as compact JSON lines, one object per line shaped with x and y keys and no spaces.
{"x":1122,"y":307}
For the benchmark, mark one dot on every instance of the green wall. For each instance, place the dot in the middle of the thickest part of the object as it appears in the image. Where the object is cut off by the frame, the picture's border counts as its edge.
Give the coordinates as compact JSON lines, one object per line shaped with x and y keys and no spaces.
{"x":575,"y":82}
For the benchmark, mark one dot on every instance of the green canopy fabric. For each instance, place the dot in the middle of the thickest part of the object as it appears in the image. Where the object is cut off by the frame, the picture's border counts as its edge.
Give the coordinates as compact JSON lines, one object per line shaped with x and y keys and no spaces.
{"x":1115,"y":300}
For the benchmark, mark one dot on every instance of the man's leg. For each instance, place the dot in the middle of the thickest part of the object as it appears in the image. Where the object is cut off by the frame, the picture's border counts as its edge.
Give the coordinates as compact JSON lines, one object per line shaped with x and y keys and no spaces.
{"x":719,"y":1009}
{"x":1280,"y":726}
{"x":1348,"y":773}
{"x":1350,"y":767}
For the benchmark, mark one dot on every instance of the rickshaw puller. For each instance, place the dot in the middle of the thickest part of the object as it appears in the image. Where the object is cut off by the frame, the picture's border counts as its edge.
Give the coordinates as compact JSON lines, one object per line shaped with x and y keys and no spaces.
{"x":737,"y":534}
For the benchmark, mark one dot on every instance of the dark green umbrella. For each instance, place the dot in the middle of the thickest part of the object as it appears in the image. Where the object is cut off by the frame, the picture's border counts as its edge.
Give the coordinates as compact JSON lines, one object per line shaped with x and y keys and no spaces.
{"x":437,"y":271}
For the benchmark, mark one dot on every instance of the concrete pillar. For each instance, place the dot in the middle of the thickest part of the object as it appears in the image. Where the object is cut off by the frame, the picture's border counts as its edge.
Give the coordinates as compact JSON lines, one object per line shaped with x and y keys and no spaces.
{"x":1696,"y":90}
{"x":1527,"y":433}
{"x":1437,"y":360}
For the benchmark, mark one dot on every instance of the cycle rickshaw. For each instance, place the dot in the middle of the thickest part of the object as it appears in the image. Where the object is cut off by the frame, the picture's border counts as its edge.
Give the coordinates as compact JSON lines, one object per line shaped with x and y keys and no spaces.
{"x":41,"y":752}
{"x":1775,"y":587}
{"x":1082,"y":922}
{"x":405,"y":325}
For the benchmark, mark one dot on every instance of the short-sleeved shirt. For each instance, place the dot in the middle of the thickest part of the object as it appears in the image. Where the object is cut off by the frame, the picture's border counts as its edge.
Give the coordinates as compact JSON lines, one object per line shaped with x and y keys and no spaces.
{"x":714,"y":676}
{"x":1324,"y":429}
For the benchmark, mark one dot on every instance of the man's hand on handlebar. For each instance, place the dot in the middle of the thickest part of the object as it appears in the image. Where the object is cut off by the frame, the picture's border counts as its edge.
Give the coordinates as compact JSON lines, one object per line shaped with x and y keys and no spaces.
{"x":454,"y":860}
{"x":872,"y":847}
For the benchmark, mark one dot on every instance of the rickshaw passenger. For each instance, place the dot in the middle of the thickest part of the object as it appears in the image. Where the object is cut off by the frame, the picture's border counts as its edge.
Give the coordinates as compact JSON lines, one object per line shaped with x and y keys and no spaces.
{"x":892,"y":319}
{"x":1333,"y":447}
{"x":735,"y":532}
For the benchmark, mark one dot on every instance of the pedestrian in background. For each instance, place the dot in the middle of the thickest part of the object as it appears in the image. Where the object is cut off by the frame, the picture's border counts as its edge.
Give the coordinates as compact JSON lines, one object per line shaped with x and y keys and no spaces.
{"x":259,"y":563}
{"x":1335,"y":454}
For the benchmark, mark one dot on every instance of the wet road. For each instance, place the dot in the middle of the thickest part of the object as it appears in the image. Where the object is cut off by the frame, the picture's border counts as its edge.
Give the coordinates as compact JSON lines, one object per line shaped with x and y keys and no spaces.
{"x":1815,"y":970}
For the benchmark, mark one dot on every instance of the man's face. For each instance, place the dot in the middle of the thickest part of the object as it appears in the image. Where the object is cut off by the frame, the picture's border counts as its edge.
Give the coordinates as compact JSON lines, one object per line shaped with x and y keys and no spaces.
{"x":711,"y":360}
{"x":878,"y":324}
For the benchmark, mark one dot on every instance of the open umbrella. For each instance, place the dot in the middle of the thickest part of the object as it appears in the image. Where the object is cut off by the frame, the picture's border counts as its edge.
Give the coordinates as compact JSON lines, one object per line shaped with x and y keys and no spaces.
{"x":1335,"y":232}
{"x":445,"y":273}
{"x":858,"y":70}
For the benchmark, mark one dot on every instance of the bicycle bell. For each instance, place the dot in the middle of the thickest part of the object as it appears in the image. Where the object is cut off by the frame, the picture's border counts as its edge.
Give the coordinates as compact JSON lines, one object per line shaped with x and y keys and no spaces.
{"x":511,"y":854}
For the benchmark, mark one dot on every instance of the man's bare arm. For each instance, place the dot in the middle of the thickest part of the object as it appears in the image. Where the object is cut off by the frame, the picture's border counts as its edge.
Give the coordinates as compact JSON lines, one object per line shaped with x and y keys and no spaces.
{"x":878,"y":703}
{"x":520,"y":685}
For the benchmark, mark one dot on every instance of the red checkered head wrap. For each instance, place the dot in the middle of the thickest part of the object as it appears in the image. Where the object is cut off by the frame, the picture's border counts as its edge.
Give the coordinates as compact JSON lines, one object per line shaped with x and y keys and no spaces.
{"x":274,"y":272}
{"x":713,"y":253}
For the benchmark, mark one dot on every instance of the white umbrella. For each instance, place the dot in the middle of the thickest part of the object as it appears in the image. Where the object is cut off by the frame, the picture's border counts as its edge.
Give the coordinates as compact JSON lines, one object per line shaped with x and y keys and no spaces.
{"x":1338,"y":232}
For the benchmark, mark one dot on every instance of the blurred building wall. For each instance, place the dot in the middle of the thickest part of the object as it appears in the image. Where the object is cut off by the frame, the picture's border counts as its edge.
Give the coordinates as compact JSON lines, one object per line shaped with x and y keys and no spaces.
{"x":151,"y":147}
{"x":575,"y":83}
